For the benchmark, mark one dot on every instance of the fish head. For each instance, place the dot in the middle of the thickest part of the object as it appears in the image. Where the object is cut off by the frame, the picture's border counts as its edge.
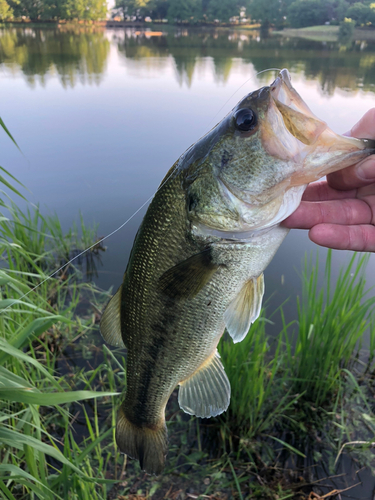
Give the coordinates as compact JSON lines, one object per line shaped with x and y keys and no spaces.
{"x":250,"y":171}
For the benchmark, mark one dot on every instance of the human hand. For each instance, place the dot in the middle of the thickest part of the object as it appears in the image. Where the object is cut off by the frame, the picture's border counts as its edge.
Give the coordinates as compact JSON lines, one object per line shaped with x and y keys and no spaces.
{"x":340,"y":212}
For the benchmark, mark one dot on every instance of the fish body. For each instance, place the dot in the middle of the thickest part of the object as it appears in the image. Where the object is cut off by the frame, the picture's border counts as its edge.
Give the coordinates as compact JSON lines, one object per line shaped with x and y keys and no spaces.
{"x":197,"y":262}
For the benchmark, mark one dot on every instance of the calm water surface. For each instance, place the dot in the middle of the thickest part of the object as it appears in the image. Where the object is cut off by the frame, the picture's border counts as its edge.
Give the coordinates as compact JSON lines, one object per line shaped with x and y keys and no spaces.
{"x":102,"y":115}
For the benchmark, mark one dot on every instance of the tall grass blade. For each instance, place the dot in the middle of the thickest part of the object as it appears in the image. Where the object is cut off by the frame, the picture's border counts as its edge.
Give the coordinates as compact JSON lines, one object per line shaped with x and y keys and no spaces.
{"x":2,"y":124}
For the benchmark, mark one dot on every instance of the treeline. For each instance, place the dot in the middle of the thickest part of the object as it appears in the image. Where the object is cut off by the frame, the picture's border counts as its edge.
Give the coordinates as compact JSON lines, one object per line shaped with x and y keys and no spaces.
{"x":278,"y":13}
{"x":53,"y":10}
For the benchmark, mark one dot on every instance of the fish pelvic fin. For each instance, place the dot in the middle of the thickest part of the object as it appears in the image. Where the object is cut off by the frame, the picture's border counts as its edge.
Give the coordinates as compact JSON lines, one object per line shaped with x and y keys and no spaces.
{"x":149,"y":444}
{"x":187,"y":278}
{"x":244,"y":308}
{"x":207,"y":392}
{"x":110,"y":323}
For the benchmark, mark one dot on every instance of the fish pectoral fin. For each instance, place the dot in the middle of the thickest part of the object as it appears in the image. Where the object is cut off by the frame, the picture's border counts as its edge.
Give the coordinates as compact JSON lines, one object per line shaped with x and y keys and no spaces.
{"x":207,"y":392}
{"x":188,"y":277}
{"x":110,"y":323}
{"x":244,"y":308}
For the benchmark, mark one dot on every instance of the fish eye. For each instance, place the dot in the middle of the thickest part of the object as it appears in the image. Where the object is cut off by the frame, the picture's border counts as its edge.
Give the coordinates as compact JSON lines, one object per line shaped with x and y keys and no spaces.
{"x":245,"y":119}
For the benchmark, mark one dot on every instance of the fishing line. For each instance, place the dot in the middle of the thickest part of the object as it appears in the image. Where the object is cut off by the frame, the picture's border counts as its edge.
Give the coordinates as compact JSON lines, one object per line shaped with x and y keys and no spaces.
{"x":87,"y":249}
{"x":128,"y":220}
{"x":239,"y":88}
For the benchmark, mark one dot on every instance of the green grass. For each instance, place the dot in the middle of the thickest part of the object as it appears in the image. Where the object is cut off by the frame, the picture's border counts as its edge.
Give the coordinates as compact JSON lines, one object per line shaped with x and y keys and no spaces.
{"x":59,"y":385}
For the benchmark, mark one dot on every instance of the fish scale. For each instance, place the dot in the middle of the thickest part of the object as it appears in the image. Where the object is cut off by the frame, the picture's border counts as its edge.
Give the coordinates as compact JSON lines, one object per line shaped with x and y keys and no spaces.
{"x":198,"y":258}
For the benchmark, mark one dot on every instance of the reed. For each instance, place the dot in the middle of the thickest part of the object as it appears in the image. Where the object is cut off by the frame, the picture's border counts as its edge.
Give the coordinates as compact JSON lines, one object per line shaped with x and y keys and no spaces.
{"x":39,"y":453}
{"x":312,"y":363}
{"x":332,"y":321}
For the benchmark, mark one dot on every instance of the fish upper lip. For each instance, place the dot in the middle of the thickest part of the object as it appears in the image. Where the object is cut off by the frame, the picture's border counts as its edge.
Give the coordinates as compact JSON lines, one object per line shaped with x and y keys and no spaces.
{"x":282,"y":78}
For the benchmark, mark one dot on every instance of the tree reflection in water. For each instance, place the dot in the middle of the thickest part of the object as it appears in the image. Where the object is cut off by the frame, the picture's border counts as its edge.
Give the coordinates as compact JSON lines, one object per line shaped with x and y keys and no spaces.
{"x":81,"y":55}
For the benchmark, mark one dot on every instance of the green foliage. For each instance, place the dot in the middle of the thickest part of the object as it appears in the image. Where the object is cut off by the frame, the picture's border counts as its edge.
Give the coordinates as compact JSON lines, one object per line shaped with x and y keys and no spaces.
{"x":33,"y":9}
{"x":269,"y":12}
{"x":188,"y":10}
{"x":35,"y":461}
{"x":222,"y":10}
{"x":60,"y":9}
{"x":276,"y":385}
{"x":136,"y":7}
{"x":304,"y":369}
{"x":361,"y":13}
{"x":346,"y":29}
{"x":159,"y":9}
{"x":332,"y":323}
{"x":85,"y":9}
{"x":253,"y":410}
{"x":308,"y":13}
{"x":302,"y":13}
{"x":6,"y":11}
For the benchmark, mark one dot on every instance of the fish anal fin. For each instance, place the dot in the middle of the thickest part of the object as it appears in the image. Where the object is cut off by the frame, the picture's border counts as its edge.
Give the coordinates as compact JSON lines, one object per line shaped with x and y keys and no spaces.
{"x":207,"y":392}
{"x":148,"y":444}
{"x":188,"y":277}
{"x":244,"y":308}
{"x":110,"y":323}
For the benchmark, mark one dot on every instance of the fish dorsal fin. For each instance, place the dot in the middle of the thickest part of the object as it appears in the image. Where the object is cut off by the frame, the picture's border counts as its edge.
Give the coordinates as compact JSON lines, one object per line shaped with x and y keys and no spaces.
{"x":207,"y":392}
{"x":188,"y":277}
{"x":244,"y":308}
{"x":110,"y":324}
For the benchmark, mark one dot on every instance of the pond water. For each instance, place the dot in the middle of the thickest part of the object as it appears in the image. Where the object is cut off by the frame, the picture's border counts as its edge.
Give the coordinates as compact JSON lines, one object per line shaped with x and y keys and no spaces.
{"x":101,"y":115}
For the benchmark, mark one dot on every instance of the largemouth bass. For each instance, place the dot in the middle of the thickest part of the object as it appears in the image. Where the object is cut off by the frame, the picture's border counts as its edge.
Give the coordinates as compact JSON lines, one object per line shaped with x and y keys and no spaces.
{"x":197,"y":263}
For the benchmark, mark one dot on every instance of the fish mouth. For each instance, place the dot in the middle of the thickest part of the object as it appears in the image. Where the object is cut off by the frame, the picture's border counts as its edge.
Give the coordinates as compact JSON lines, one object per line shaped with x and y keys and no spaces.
{"x":322,"y":150}
{"x":298,"y":117}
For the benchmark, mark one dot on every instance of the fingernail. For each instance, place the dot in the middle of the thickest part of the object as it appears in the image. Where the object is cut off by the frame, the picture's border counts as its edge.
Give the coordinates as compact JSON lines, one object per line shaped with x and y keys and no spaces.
{"x":366,"y":170}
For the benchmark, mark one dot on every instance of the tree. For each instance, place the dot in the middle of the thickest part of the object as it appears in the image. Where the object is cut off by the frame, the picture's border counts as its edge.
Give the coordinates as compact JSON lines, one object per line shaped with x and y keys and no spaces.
{"x":33,"y":9}
{"x":76,"y":9}
{"x":361,"y":14}
{"x":186,"y":10}
{"x":54,"y":9}
{"x":134,"y":7}
{"x":268,"y":11}
{"x":222,"y":10}
{"x":96,"y":10}
{"x":5,"y":10}
{"x":159,"y":9}
{"x":308,"y":13}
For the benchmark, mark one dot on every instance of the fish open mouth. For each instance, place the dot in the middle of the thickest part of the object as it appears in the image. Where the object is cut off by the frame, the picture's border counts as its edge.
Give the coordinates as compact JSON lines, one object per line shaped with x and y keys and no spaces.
{"x":322,"y":150}
{"x":298,"y":118}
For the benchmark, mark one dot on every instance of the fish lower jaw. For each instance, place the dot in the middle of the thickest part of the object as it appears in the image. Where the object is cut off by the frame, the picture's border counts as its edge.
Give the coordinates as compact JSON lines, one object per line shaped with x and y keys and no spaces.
{"x":290,"y":202}
{"x":201,"y":230}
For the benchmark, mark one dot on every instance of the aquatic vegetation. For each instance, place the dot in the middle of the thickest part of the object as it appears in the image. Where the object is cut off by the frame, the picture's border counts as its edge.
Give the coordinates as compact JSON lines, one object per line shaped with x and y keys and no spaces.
{"x":37,"y":448}
{"x":58,"y":384}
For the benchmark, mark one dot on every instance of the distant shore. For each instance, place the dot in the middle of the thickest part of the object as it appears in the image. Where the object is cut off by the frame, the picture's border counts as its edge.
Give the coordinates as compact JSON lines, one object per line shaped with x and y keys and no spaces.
{"x":125,"y":24}
{"x":322,"y":33}
{"x":325,"y":33}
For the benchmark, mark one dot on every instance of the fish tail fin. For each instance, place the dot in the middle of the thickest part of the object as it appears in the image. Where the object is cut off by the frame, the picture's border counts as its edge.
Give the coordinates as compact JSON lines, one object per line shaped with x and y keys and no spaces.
{"x":147,"y":444}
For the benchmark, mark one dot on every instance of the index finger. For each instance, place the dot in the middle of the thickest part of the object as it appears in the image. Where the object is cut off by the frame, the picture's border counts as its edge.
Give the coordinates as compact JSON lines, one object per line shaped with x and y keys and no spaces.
{"x":362,"y":173}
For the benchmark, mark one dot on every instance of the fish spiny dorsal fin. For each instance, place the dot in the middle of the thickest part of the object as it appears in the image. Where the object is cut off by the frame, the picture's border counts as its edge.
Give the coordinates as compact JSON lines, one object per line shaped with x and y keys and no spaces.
{"x":188,"y":277}
{"x":110,"y":324}
{"x":244,"y":309}
{"x":207,"y":392}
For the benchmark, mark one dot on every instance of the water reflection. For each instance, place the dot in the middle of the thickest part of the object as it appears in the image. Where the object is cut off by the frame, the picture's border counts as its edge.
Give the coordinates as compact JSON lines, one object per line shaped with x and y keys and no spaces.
{"x":81,"y":55}
{"x":348,"y":66}
{"x":74,"y":55}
